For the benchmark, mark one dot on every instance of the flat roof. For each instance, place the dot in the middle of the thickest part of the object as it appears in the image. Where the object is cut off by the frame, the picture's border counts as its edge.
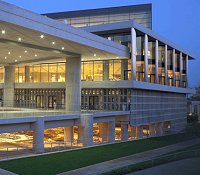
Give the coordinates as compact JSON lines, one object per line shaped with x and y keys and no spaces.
{"x":100,"y":11}
{"x":127,"y":25}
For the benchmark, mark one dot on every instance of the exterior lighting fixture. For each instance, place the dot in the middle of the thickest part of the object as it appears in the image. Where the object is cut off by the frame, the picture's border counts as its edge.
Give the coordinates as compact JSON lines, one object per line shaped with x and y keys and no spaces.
{"x":25,"y":51}
{"x":19,"y":39}
{"x":53,"y":43}
{"x":63,"y":48}
{"x":3,"y":32}
{"x":117,"y":57}
{"x":95,"y":55}
{"x":15,"y":60}
{"x":5,"y":58}
{"x":41,"y":36}
{"x":9,"y":53}
{"x":20,"y":56}
{"x":35,"y":55}
{"x":82,"y":59}
{"x":99,"y":58}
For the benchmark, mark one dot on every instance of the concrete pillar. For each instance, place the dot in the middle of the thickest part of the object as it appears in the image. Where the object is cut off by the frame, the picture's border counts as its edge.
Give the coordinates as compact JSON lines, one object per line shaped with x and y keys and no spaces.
{"x":152,"y":131}
{"x":186,"y":71}
{"x":68,"y":134}
{"x":133,"y":53}
{"x":9,"y":85}
{"x":27,"y":74}
{"x":87,"y":129}
{"x":156,"y":62}
{"x":139,"y":132}
{"x":146,"y":78}
{"x":38,"y":135}
{"x":173,"y":67}
{"x":73,"y":84}
{"x":166,"y":71}
{"x":106,"y":70}
{"x":111,"y":132}
{"x":181,"y":68}
{"x":124,"y":132}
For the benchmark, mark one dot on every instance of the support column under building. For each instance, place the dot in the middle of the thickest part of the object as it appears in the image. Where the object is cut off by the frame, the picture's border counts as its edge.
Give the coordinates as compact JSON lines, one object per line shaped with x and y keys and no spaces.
{"x":124,"y":132}
{"x":133,"y":53}
{"x":38,"y":135}
{"x":159,"y":129}
{"x":166,"y":70}
{"x":9,"y":83}
{"x":146,"y":78}
{"x":156,"y":62}
{"x":68,"y":134}
{"x":73,"y":84}
{"x":152,"y":131}
{"x":86,"y":121}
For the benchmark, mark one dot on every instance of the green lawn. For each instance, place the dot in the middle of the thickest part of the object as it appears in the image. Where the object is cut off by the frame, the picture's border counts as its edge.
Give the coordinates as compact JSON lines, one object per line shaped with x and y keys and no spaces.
{"x":69,"y":160}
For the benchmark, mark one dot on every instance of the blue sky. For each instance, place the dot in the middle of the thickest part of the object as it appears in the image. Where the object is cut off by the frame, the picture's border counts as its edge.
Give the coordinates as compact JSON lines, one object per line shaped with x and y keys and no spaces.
{"x":177,"y":20}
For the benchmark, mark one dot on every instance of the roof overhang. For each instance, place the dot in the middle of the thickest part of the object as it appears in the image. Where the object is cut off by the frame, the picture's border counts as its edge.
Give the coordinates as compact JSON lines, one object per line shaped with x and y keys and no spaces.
{"x":141,"y":30}
{"x":68,"y":41}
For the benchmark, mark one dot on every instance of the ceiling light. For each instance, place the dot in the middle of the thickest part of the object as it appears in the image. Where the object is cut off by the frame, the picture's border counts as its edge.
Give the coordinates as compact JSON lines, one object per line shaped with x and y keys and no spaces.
{"x":9,"y":53}
{"x":15,"y":60}
{"x":35,"y":55}
{"x":95,"y":55}
{"x":19,"y":39}
{"x":25,"y":51}
{"x":62,"y":48}
{"x":5,"y":58}
{"x":42,"y":36}
{"x":20,"y":56}
{"x":117,"y":57}
{"x":82,"y":59}
{"x":3,"y":32}
{"x":53,"y":43}
{"x":99,"y":58}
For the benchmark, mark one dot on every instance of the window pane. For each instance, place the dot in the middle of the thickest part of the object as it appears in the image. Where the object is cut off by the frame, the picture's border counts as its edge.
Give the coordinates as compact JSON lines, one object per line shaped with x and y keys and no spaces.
{"x":61,"y":72}
{"x":36,"y":73}
{"x":53,"y":73}
{"x":44,"y":73}
{"x":117,"y":69}
{"x":1,"y":74}
{"x":21,"y":75}
{"x":88,"y":71}
{"x":98,"y":70}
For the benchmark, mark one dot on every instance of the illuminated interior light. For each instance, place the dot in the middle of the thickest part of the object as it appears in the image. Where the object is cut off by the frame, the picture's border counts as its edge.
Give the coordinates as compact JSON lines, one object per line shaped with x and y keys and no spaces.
{"x":35,"y":55}
{"x":25,"y":51}
{"x":42,"y":36}
{"x":20,"y":56}
{"x":3,"y":32}
{"x":9,"y":53}
{"x":19,"y":39}
{"x":63,"y":48}
{"x":95,"y":55}
{"x":15,"y":60}
{"x":5,"y":58}
{"x":53,"y":43}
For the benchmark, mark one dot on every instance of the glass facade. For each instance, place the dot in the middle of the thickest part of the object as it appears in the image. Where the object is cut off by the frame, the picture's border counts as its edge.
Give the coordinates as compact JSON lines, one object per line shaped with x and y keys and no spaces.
{"x":161,"y":65}
{"x":151,"y":62}
{"x":1,"y":74}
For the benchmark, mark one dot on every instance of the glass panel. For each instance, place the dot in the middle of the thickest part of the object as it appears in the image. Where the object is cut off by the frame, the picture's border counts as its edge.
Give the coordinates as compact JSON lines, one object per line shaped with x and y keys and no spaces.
{"x":117,"y":69}
{"x":111,"y":70}
{"x":53,"y":73}
{"x":16,"y":74}
{"x":1,"y":74}
{"x":98,"y":70}
{"x":61,"y":72}
{"x":36,"y":73}
{"x":31,"y":74}
{"x":88,"y":71}
{"x":21,"y":75}
{"x":44,"y":72}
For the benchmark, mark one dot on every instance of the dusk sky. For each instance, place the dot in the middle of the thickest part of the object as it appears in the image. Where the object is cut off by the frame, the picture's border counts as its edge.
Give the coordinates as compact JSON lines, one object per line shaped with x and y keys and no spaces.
{"x":176,"y":20}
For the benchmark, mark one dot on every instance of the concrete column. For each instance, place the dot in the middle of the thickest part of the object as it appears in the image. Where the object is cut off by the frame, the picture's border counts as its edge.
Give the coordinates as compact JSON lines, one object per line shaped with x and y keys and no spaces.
{"x":27,"y":74}
{"x":68,"y":134}
{"x":124,"y":132}
{"x":111,"y":132}
{"x":156,"y":62}
{"x":181,"y":68}
{"x":139,"y":132}
{"x":87,"y":129}
{"x":166,"y":71}
{"x":133,"y":53}
{"x":38,"y":135}
{"x":73,"y":84}
{"x":146,"y":78}
{"x":173,"y":67}
{"x":106,"y":70}
{"x":9,"y":85}
{"x":186,"y":70}
{"x":152,"y":131}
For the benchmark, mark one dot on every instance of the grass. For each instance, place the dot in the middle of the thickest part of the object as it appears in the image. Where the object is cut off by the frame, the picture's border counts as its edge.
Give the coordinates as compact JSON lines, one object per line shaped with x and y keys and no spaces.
{"x":65,"y":161}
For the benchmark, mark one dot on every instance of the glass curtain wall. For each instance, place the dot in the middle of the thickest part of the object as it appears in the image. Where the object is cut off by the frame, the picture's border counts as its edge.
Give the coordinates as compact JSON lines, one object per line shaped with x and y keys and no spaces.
{"x":1,"y":74}
{"x":140,"y":58}
{"x":19,"y":74}
{"x":177,"y":69}
{"x":151,"y":62}
{"x":183,"y":73}
{"x":161,"y":65}
{"x":169,"y":68}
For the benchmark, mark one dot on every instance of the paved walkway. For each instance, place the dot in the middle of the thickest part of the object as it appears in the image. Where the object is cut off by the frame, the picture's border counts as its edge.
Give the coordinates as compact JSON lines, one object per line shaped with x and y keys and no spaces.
{"x":4,"y":172}
{"x":129,"y":160}
{"x":181,"y":167}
